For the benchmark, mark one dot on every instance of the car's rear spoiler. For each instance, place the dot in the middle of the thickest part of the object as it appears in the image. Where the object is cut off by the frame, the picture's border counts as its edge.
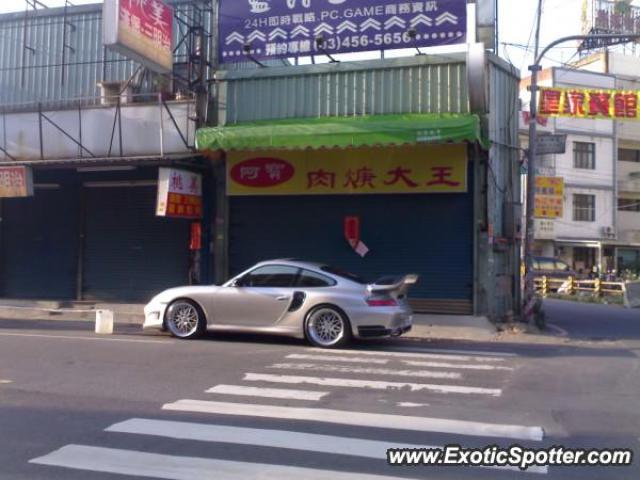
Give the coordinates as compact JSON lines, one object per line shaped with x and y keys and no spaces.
{"x":396,"y":286}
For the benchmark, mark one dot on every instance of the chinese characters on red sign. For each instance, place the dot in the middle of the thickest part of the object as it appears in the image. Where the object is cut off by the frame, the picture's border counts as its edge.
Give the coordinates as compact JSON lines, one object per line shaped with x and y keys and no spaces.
{"x":579,"y":103}
{"x":15,"y":182}
{"x":141,"y":30}
{"x":179,"y":194}
{"x":149,"y":18}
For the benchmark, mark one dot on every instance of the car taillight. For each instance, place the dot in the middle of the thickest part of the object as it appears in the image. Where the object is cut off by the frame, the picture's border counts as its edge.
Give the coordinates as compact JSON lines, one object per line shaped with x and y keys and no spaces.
{"x":382,"y":302}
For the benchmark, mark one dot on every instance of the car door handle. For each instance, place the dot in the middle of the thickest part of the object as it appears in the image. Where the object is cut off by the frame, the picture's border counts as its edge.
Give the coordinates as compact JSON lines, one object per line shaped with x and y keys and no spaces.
{"x":282,"y":298}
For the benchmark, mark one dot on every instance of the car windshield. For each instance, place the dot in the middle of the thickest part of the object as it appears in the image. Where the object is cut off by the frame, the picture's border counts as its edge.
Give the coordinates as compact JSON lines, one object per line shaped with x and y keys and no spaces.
{"x":344,"y":274}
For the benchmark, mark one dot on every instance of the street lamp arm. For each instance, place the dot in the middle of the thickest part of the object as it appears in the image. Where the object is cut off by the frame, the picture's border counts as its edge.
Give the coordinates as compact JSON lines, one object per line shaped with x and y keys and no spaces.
{"x":604,"y":36}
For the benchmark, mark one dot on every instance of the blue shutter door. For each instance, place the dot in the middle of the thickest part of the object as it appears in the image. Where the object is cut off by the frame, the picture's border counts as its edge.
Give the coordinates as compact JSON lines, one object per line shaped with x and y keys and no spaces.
{"x":39,"y":245}
{"x":129,"y":253}
{"x":431,"y":235}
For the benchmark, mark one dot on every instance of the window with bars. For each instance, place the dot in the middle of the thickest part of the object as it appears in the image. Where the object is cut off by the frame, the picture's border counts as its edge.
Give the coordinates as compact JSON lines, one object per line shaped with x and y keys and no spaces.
{"x":584,"y":208}
{"x":628,"y":155}
{"x":584,"y":155}
{"x":629,"y":204}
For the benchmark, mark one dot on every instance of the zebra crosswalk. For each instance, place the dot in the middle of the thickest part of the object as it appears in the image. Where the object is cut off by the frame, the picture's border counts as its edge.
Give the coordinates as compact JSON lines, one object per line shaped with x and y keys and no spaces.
{"x":307,"y":414}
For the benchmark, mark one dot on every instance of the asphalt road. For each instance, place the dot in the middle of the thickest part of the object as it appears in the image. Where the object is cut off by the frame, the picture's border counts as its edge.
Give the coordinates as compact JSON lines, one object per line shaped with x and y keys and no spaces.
{"x":595,"y":322}
{"x":77,"y":406}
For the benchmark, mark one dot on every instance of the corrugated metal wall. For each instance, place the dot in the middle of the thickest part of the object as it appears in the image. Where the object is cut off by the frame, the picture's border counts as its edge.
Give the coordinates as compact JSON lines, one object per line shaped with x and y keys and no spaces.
{"x":38,"y":73}
{"x":409,"y":85}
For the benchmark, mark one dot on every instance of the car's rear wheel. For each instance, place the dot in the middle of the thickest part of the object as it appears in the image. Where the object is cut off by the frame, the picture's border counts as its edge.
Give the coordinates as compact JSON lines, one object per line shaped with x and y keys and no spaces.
{"x":327,"y":327}
{"x":185,"y":319}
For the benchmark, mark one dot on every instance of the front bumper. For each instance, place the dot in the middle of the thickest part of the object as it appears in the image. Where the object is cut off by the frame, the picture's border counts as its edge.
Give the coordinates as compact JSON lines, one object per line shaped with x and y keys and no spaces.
{"x":154,"y":316}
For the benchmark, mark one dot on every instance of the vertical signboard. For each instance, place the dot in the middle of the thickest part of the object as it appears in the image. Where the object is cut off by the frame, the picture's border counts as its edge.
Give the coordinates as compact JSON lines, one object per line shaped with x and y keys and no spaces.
{"x":179,"y":194}
{"x":16,"y":182}
{"x":549,"y":197}
{"x":268,"y":29}
{"x":141,"y":30}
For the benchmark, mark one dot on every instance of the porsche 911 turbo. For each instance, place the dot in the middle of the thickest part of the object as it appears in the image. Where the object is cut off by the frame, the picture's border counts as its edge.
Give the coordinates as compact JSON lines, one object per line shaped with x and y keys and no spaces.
{"x":314,"y":301}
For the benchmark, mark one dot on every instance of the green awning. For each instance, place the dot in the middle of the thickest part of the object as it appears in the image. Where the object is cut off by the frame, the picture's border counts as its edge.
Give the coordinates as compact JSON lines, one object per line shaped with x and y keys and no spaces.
{"x":343,"y":132}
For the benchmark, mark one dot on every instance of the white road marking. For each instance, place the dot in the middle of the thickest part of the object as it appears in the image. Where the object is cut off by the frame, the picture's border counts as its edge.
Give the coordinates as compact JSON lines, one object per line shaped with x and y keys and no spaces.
{"x":170,"y":467}
{"x":331,"y":358}
{"x":361,"y":419}
{"x":308,"y":442}
{"x":462,"y":366}
{"x":267,"y":392}
{"x":373,"y":384}
{"x":428,"y":354}
{"x":480,"y":353}
{"x":411,"y":405}
{"x":5,"y":382}
{"x":318,"y":367}
{"x":73,"y":337}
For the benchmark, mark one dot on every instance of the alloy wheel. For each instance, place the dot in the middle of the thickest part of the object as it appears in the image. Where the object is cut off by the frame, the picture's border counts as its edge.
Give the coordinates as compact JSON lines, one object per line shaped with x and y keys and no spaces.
{"x":326,"y":327}
{"x":184,"y":319}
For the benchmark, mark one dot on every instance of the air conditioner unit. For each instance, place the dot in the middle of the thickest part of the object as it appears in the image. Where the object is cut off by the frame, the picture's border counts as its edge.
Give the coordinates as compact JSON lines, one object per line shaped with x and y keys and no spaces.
{"x":111,"y":91}
{"x":608,"y":232}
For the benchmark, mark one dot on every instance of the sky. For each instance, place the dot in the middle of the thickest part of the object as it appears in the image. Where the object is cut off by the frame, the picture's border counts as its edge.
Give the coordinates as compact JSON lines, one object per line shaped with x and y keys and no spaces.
{"x":560,"y":18}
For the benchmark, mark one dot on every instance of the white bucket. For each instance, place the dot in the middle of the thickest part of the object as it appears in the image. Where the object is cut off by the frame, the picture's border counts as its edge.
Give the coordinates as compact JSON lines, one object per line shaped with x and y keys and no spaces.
{"x":104,"y":322}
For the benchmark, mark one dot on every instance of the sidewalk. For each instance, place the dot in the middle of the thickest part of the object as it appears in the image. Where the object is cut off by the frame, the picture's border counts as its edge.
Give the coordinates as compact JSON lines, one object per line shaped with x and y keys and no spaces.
{"x":457,"y":327}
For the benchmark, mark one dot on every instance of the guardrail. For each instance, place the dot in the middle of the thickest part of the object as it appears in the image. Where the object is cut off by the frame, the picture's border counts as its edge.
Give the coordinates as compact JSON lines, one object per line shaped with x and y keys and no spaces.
{"x":572,"y":286}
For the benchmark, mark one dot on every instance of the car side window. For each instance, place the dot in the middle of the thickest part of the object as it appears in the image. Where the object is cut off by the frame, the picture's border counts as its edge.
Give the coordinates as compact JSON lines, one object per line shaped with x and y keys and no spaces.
{"x":270,"y":276}
{"x":311,"y":279}
{"x":563,"y":267}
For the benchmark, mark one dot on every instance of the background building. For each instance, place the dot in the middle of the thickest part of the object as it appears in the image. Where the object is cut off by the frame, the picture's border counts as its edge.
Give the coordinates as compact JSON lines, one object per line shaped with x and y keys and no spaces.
{"x":95,"y":127}
{"x":584,"y":232}
{"x":601,"y":219}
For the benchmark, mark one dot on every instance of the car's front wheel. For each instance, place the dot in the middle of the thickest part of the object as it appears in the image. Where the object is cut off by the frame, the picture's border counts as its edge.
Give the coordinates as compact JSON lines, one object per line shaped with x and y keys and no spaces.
{"x":184,"y":319}
{"x":327,"y":327}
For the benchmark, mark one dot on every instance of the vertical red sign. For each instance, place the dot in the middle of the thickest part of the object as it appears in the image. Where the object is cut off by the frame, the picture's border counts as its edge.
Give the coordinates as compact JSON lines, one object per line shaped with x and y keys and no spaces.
{"x":352,"y":230}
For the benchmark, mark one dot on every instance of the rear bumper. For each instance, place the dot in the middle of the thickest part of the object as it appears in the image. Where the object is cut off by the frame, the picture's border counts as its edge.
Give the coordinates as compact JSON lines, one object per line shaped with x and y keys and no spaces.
{"x":391,"y":323}
{"x":380,"y":331}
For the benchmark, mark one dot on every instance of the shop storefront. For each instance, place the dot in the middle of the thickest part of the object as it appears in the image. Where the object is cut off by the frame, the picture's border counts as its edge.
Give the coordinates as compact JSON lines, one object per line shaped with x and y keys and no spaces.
{"x":92,"y":233}
{"x":295,"y":189}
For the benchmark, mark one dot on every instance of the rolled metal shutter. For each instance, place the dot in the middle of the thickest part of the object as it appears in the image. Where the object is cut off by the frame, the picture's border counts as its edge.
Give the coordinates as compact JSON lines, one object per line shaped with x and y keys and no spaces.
{"x":130,"y":254}
{"x":431,"y":235}
{"x":39,"y":245}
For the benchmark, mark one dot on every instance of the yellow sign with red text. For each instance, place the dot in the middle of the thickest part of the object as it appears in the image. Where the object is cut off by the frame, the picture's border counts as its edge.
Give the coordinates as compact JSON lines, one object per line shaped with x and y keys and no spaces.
{"x":589,"y":103}
{"x":407,"y":169}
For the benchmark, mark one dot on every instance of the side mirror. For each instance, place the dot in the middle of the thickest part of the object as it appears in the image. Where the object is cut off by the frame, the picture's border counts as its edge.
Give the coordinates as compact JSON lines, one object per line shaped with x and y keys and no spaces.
{"x":238,"y":282}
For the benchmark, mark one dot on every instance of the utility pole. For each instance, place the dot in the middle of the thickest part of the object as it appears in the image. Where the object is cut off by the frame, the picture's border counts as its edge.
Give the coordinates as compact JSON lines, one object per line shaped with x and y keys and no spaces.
{"x":530,"y":289}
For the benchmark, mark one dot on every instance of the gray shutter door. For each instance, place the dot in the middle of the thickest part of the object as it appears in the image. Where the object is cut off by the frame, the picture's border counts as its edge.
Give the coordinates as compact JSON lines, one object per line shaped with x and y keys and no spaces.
{"x":431,"y":235}
{"x":129,"y":253}
{"x":39,"y":245}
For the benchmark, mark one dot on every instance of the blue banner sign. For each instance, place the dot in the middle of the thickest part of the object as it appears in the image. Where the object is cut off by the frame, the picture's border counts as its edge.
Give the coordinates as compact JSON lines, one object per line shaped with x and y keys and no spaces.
{"x":267,"y":29}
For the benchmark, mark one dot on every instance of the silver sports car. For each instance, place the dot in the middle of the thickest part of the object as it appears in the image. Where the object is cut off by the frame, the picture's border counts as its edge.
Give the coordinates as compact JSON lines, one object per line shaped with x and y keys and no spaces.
{"x":302,"y":299}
